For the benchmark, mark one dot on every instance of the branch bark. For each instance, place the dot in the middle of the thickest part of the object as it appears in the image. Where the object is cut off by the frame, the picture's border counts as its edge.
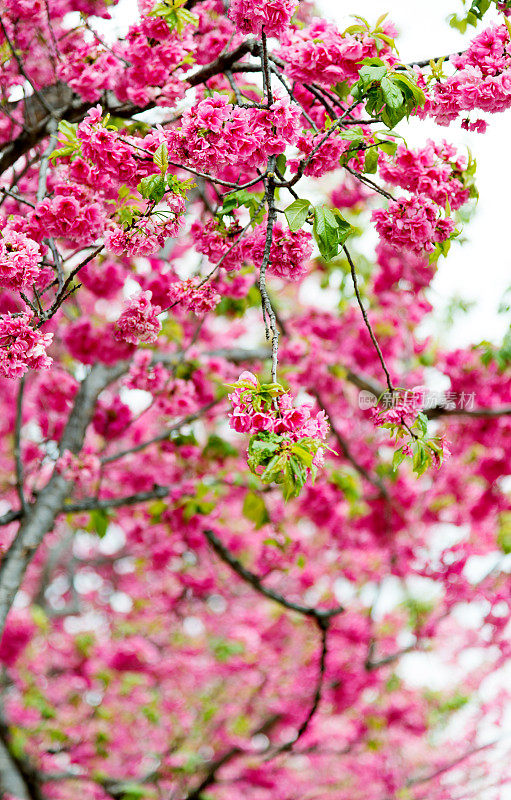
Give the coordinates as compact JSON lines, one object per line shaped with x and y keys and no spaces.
{"x":321,"y":615}
{"x":41,"y":516}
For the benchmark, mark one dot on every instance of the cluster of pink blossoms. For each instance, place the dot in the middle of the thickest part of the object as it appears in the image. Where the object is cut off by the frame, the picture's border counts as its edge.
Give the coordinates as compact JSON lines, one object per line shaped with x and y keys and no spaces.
{"x":289,"y":252}
{"x":156,"y":60}
{"x":217,"y":244}
{"x":17,"y":634}
{"x":114,"y":158}
{"x":83,"y":470}
{"x":214,"y":133}
{"x":147,"y":235}
{"x":297,"y":422}
{"x":412,"y":224}
{"x":71,"y":213}
{"x":432,"y":171}
{"x":271,"y":15}
{"x":139,"y":321}
{"x":319,"y":53}
{"x":22,"y":347}
{"x":326,"y":159}
{"x":89,"y":70}
{"x":103,"y":278}
{"x":193,"y":297}
{"x":146,"y":376}
{"x":483,"y":80}
{"x":403,"y":409}
{"x":19,"y":259}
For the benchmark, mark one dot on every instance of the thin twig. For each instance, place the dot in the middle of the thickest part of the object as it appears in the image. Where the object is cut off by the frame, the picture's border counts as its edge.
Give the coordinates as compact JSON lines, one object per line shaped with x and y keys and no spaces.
{"x":162,"y":437}
{"x":268,"y":312}
{"x":366,"y":320}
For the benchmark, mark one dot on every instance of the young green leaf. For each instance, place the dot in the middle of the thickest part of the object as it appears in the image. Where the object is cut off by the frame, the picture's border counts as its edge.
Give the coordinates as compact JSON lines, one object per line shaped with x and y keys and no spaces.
{"x":297,"y":213}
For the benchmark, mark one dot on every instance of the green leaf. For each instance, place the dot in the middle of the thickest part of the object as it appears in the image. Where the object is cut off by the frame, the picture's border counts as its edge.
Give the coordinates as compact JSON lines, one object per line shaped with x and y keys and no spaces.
{"x":325,"y":232}
{"x":371,"y":160}
{"x":274,"y":468}
{"x":161,"y":158}
{"x":304,"y":455}
{"x":392,"y":93}
{"x":152,"y":187}
{"x":422,"y":422}
{"x":99,"y":519}
{"x":368,"y":74}
{"x":254,"y":509}
{"x":330,"y":230}
{"x":398,"y":459}
{"x":281,"y":163}
{"x":297,"y":213}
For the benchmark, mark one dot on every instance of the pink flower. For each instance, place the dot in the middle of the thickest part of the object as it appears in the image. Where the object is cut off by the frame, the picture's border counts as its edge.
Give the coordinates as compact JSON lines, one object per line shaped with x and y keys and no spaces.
{"x":20,"y":258}
{"x":22,"y":347}
{"x":18,"y":632}
{"x":412,"y":224}
{"x":272,"y":15}
{"x":139,"y":321}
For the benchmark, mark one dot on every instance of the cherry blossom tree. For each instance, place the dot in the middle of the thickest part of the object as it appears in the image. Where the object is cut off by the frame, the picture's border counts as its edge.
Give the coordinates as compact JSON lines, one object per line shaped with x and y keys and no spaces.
{"x":238,"y":526}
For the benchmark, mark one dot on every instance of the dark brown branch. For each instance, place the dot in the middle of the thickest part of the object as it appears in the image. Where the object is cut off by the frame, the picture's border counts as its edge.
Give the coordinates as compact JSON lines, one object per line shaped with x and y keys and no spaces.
{"x":321,"y":615}
{"x":323,"y":625}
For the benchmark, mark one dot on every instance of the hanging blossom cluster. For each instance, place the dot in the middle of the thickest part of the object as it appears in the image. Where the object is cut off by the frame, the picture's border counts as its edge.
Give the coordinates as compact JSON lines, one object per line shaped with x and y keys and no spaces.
{"x":482,"y":81}
{"x":252,"y":413}
{"x":319,"y":53}
{"x":290,"y":251}
{"x":402,"y":417}
{"x":326,"y":159}
{"x":192,"y":296}
{"x":20,"y":259}
{"x":287,"y":442}
{"x":139,"y":321}
{"x":84,"y":470}
{"x":156,"y":59}
{"x":89,"y":70}
{"x":272,"y":16}
{"x":214,"y":133}
{"x":114,"y":158}
{"x":413,"y":224}
{"x":435,"y":171}
{"x":145,"y":235}
{"x":73,"y":213}
{"x":218,"y":243}
{"x":22,"y":346}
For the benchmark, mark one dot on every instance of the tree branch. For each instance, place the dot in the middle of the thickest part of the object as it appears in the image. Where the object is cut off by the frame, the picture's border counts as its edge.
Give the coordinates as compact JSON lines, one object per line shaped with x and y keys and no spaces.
{"x":41,"y":516}
{"x":323,"y":625}
{"x":321,"y":615}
